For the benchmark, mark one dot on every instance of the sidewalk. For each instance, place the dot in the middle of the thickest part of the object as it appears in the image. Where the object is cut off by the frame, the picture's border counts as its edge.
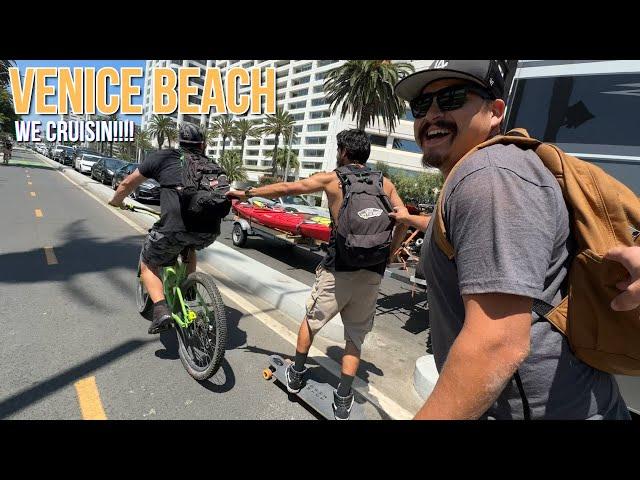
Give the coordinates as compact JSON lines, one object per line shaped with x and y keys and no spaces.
{"x":394,"y":360}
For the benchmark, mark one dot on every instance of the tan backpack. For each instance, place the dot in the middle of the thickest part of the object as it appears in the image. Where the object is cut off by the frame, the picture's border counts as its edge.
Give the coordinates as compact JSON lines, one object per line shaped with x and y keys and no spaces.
{"x":604,"y":214}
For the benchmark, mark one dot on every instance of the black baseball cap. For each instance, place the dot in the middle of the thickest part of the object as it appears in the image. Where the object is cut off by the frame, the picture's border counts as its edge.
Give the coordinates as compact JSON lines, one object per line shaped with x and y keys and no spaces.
{"x":490,"y":74}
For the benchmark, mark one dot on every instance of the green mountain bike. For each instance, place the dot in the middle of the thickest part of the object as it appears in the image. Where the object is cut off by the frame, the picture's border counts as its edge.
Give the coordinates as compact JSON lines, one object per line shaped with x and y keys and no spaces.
{"x":198,"y":314}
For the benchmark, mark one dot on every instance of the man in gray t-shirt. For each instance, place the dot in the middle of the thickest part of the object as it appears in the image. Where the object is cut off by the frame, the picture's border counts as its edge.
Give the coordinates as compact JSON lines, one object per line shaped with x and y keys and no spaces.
{"x":505,"y":217}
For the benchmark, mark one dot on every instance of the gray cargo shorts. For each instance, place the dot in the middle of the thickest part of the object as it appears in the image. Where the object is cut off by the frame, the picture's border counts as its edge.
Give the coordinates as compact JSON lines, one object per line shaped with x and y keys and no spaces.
{"x":162,"y":249}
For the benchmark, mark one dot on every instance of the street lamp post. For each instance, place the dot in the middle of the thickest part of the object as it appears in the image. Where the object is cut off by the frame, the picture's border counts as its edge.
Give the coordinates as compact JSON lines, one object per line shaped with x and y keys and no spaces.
{"x":286,"y":168}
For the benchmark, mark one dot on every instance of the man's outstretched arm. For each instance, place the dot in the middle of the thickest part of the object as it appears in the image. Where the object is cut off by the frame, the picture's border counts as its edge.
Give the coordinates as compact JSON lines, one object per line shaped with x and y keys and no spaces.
{"x":127,"y":186}
{"x":315,"y":183}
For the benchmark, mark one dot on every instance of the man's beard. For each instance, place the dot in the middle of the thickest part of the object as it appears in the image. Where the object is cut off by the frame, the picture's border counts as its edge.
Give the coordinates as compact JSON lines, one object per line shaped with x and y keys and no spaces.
{"x":433,"y":160}
{"x":436,"y":160}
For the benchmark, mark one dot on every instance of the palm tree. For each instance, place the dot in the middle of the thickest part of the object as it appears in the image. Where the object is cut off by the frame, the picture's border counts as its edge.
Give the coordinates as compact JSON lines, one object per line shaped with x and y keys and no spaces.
{"x":172,"y":135}
{"x":142,"y":142}
{"x":281,"y":160}
{"x":276,"y":125}
{"x":4,"y":71}
{"x":244,"y":128}
{"x":160,"y":126}
{"x":223,"y":125}
{"x":231,"y":163}
{"x":365,"y":89}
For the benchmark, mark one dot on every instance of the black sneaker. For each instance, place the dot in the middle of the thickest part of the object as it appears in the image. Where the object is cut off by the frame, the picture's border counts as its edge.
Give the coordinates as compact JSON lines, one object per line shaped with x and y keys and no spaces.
{"x":342,"y":406}
{"x":161,"y":319}
{"x":294,"y":378}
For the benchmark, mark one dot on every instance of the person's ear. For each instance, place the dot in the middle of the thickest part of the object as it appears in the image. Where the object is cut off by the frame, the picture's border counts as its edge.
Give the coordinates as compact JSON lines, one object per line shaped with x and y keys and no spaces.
{"x":498,"y":108}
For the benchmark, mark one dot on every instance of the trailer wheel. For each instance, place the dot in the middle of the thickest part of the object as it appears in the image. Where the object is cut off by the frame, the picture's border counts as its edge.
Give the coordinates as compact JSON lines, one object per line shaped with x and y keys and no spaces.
{"x":238,"y":236}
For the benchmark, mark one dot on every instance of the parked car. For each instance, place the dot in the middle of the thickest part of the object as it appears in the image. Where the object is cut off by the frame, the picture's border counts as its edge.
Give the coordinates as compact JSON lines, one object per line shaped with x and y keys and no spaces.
{"x":85,"y":161}
{"x":78,"y":152}
{"x":63,"y":154}
{"x":104,"y":168}
{"x":122,"y":173}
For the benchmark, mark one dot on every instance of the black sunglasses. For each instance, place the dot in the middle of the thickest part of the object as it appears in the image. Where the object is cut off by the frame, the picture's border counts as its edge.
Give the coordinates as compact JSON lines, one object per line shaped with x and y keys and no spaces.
{"x":448,"y":98}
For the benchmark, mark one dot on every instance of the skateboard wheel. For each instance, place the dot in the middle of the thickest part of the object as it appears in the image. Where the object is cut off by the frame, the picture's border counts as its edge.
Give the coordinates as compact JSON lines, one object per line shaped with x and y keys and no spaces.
{"x":267,"y":374}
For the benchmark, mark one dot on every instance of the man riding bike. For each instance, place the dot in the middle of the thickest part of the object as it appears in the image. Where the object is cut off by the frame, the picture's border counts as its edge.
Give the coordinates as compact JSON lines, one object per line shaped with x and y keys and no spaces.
{"x":177,"y":231}
{"x":6,"y":150}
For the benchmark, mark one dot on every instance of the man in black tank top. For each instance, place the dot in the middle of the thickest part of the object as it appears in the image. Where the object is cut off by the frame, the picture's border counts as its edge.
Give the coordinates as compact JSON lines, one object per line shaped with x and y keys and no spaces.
{"x":339,"y":288}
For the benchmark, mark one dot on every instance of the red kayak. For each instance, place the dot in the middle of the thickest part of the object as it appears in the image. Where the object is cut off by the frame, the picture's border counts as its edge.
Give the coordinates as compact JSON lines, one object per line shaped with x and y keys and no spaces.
{"x":318,"y":231}
{"x":278,"y":219}
{"x":294,"y":223}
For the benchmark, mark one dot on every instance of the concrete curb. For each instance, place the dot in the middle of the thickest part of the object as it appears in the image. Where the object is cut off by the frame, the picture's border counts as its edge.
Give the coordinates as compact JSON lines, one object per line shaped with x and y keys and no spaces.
{"x":284,"y":293}
{"x":425,"y":376}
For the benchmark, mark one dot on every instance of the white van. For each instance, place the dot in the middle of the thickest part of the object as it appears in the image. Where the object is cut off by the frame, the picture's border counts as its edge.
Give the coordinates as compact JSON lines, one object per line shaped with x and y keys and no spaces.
{"x":590,"y":109}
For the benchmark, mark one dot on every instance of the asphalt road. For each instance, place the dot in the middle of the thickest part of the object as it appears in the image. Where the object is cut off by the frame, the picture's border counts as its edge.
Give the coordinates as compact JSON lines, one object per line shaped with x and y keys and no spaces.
{"x":72,"y":341}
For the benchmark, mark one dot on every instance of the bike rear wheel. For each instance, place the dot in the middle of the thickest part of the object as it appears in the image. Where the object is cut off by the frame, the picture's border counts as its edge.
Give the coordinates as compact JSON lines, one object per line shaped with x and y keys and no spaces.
{"x":202,"y":343}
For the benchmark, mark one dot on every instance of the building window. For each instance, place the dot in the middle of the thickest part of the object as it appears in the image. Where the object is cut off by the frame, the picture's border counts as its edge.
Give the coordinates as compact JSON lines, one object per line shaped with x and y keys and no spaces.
{"x":318,"y":127}
{"x":299,"y":93}
{"x":282,"y":63}
{"x":406,"y":145}
{"x":320,"y":114}
{"x":316,"y":140}
{"x":318,"y":89}
{"x":247,"y":64}
{"x":253,"y":153}
{"x":296,"y":105}
{"x":297,"y":128}
{"x":298,"y":116}
{"x":314,"y":153}
{"x":311,"y":165}
{"x":322,"y":75}
{"x":251,"y":163}
{"x":324,"y":63}
{"x":378,"y":140}
{"x":253,"y":143}
{"x":319,"y":101}
{"x":300,"y":81}
{"x":302,"y":68}
{"x":270,"y":141}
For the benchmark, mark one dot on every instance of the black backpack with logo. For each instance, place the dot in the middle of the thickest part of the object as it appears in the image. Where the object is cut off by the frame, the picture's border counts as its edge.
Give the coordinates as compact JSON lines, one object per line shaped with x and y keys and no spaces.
{"x":364,"y":230}
{"x":203,"y":189}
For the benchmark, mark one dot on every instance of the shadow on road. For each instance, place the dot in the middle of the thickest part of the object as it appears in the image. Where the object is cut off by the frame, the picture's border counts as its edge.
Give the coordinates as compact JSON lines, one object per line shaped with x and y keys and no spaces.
{"x":23,"y":399}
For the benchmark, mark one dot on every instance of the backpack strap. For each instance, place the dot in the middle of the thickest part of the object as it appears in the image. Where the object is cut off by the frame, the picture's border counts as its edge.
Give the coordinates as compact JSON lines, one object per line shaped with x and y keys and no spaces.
{"x":519,"y":137}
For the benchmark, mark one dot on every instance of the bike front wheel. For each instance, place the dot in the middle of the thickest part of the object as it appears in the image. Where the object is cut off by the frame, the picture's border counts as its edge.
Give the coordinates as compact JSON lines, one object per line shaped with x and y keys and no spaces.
{"x":202,"y":343}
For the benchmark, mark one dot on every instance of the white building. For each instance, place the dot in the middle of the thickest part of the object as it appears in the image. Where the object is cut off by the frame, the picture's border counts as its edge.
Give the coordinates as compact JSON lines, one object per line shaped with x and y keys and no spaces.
{"x":299,"y":90}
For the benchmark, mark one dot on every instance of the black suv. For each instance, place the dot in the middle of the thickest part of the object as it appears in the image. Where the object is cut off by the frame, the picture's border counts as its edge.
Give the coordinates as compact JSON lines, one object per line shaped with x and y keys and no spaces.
{"x":63,"y":154}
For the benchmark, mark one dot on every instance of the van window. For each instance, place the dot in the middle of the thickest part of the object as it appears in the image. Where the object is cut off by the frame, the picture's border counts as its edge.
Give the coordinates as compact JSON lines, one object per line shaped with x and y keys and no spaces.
{"x":582,"y":109}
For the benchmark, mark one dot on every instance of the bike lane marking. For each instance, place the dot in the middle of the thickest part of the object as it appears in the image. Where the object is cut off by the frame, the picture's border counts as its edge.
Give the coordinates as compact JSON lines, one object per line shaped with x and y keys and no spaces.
{"x":51,"y":256}
{"x":33,"y":194}
{"x":38,"y":213}
{"x":89,"y":399}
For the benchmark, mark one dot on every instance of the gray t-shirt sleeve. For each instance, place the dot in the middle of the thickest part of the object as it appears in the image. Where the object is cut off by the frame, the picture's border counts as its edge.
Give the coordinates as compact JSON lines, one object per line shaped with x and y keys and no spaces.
{"x":502,"y":229}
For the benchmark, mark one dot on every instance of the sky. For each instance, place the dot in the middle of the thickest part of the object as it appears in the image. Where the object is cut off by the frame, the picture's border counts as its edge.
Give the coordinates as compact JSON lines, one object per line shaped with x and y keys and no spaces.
{"x":117,"y":64}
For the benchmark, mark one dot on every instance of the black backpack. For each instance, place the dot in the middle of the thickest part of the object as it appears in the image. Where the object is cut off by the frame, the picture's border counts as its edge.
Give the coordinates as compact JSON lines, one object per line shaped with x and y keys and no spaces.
{"x":203,"y":189}
{"x":363,"y":234}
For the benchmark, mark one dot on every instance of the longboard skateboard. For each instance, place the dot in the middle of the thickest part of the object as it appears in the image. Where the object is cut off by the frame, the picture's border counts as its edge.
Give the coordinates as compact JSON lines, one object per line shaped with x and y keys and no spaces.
{"x":318,"y":395}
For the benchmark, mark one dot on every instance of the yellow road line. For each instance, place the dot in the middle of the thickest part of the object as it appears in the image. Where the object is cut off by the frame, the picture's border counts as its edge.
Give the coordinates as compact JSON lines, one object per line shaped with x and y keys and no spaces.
{"x":38,"y":212}
{"x":33,"y":194}
{"x":51,"y":256}
{"x":89,"y":399}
